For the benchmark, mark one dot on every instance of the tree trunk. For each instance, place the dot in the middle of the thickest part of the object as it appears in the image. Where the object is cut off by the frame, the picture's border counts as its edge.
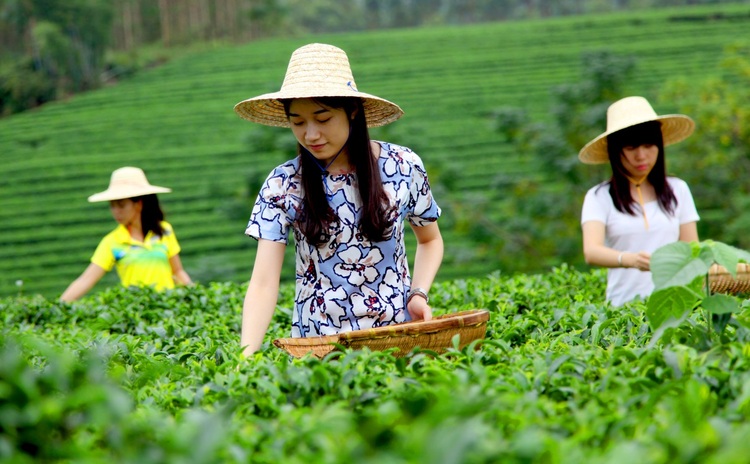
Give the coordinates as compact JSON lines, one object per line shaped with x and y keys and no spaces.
{"x":164,"y":18}
{"x":127,"y":25}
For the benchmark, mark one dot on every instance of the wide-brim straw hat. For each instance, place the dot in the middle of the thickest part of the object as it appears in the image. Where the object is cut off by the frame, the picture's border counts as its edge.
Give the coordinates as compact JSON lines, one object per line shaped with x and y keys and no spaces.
{"x":127,"y":182}
{"x":316,"y":70}
{"x":629,"y":112}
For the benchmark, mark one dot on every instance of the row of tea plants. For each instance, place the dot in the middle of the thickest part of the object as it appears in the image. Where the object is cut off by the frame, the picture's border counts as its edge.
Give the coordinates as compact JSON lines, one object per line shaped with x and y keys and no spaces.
{"x":142,"y":377}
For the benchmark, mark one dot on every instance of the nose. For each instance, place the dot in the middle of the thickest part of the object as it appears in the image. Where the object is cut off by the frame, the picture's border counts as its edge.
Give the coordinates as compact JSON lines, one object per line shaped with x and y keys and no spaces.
{"x":641,"y":152}
{"x":312,"y":133}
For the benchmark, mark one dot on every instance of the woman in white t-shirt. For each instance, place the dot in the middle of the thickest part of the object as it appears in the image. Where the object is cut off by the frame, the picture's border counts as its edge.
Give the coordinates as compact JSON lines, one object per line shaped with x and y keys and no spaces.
{"x":640,"y":208}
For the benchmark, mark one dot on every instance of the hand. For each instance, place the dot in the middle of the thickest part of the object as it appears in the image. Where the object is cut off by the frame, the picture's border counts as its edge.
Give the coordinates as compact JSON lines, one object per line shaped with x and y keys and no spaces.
{"x":419,"y":309}
{"x":640,"y":260}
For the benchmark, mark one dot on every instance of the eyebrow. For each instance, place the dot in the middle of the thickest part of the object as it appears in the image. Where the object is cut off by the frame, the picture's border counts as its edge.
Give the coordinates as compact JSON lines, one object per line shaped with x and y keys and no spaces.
{"x":322,"y":110}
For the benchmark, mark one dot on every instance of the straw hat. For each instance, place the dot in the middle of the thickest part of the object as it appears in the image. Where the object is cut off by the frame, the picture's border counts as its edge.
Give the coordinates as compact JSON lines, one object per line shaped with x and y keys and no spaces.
{"x":316,"y":70}
{"x":631,"y":111}
{"x":127,"y":182}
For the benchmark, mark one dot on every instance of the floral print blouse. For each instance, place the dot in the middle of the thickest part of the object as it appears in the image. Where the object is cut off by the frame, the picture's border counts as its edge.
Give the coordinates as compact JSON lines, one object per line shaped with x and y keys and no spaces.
{"x":348,"y":283}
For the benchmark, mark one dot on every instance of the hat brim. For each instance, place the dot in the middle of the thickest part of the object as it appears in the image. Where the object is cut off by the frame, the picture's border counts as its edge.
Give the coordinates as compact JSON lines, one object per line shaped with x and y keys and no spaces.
{"x":674,"y":128}
{"x":127,"y":192}
{"x":268,"y":110}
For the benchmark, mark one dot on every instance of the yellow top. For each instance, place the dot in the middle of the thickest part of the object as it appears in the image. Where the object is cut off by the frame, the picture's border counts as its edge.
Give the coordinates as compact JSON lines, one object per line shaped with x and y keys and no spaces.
{"x":139,"y":263}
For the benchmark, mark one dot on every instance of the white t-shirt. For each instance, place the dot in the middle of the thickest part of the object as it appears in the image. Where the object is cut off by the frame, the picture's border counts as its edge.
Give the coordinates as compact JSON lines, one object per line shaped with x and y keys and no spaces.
{"x":625,"y":232}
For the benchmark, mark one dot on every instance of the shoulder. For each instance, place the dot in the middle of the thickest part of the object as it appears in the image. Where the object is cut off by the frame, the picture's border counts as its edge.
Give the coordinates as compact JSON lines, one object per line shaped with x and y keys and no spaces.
{"x":166,"y":227}
{"x":286,"y":169}
{"x":677,"y":183}
{"x":600,"y":190}
{"x":400,"y":159}
{"x":118,"y":234}
{"x":398,"y":152}
{"x":598,"y":199}
{"x":281,"y":178}
{"x":679,"y":187}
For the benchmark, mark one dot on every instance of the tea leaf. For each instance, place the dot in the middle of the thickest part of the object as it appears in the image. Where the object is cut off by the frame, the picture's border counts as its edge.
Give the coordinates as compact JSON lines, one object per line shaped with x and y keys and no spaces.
{"x":669,"y":303}
{"x":674,"y":265}
{"x":726,"y":255}
{"x":721,"y":304}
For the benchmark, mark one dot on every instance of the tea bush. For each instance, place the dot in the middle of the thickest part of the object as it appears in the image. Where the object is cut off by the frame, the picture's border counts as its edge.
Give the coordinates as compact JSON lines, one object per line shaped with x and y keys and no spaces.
{"x":139,"y":376}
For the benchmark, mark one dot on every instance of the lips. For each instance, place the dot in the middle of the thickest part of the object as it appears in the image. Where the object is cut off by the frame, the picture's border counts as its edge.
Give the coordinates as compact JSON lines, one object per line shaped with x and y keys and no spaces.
{"x":316,"y":147}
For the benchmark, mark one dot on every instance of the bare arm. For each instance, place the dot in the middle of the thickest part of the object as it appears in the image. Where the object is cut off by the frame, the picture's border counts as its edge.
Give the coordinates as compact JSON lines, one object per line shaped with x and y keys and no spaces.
{"x":689,"y":232}
{"x":262,"y":294}
{"x":83,"y":283}
{"x":178,"y":272}
{"x":427,"y":260}
{"x":597,"y":254}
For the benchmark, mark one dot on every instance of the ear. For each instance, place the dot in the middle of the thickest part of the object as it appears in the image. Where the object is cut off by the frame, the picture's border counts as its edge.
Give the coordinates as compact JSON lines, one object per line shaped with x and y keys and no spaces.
{"x":354,"y":114}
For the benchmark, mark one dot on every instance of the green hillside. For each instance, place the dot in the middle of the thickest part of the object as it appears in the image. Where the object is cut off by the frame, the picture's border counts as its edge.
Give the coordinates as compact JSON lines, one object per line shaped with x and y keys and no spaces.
{"x":177,"y":123}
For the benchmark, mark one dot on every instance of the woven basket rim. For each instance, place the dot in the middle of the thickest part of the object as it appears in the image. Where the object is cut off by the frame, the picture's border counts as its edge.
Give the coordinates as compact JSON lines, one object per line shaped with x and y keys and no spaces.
{"x":445,"y":321}
{"x":461,"y":319}
{"x":719,"y":270}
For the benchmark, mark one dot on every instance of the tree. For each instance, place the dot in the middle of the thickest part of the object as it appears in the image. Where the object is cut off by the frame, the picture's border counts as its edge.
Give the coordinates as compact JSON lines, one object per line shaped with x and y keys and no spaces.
{"x":715,"y":160}
{"x":538,"y":224}
{"x":59,"y":46}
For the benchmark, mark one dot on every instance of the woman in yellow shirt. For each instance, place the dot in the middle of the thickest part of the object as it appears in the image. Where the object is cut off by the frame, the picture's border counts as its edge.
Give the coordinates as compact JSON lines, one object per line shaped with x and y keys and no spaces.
{"x":143,"y":248}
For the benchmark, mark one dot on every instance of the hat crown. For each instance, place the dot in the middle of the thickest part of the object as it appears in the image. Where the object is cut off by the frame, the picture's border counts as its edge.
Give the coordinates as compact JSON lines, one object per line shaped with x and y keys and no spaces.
{"x":128,"y":176}
{"x":628,"y":112}
{"x":315,"y":71}
{"x":127,"y":182}
{"x":320,"y":66}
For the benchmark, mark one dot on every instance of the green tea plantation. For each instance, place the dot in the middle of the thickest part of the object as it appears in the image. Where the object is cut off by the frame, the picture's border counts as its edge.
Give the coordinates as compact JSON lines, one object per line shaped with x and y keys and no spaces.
{"x":177,"y":123}
{"x":142,"y":377}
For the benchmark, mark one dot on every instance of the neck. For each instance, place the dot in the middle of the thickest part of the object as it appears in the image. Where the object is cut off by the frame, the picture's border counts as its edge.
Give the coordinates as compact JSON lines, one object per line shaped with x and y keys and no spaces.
{"x":637,"y":181}
{"x":340,"y":165}
{"x":135,"y":229}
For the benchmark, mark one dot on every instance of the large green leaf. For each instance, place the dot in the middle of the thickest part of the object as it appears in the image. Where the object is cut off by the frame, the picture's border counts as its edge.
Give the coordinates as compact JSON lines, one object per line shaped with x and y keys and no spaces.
{"x":721,"y":307}
{"x":670,"y":303}
{"x":674,"y":265}
{"x":723,"y":254}
{"x":721,"y":304}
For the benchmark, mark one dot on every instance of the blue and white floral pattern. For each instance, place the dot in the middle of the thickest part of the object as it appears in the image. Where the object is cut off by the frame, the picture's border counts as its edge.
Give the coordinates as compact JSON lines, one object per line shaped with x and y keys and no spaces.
{"x":348,"y":283}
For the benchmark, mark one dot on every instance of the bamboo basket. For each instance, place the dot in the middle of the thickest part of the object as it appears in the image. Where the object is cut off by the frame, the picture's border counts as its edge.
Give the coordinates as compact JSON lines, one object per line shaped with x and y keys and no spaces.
{"x":721,"y":281}
{"x":435,"y":335}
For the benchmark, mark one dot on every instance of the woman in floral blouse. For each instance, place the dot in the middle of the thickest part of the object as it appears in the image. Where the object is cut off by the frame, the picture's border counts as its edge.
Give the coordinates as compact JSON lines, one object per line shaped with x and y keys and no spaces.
{"x":345,"y":199}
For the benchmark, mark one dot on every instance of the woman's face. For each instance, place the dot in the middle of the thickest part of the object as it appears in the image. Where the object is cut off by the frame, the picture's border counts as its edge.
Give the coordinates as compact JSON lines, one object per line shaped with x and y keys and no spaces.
{"x":323,"y":131}
{"x":639,"y":160}
{"x":126,"y":211}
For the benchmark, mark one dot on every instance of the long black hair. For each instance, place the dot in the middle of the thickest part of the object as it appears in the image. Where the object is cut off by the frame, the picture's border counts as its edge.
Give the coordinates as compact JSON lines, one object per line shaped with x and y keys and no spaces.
{"x":151,"y":215}
{"x":318,"y":216}
{"x":619,"y":185}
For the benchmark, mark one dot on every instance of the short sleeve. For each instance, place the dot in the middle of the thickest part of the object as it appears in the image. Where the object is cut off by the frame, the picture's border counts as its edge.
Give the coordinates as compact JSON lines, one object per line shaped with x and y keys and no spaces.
{"x":271,"y":218}
{"x":596,"y":205}
{"x":424,"y":208}
{"x":170,"y":241}
{"x":103,"y":255}
{"x":685,"y":204}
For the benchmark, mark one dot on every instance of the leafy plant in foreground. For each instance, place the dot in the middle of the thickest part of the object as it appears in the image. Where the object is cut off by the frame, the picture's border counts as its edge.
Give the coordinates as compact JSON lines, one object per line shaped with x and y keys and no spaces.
{"x":680,"y":272}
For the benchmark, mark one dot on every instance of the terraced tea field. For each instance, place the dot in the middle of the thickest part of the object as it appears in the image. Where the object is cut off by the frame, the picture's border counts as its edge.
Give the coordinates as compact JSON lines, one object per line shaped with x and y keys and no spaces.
{"x":177,"y":123}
